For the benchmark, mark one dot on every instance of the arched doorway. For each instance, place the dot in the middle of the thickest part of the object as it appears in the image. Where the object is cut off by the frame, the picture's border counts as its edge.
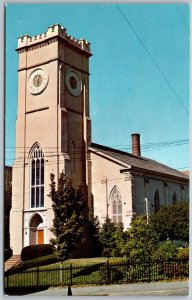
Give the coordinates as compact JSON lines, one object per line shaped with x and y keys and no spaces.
{"x":36,"y":230}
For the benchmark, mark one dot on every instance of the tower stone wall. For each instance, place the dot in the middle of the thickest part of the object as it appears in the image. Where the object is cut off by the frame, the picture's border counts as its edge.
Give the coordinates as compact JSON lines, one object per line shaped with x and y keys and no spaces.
{"x":53,"y":113}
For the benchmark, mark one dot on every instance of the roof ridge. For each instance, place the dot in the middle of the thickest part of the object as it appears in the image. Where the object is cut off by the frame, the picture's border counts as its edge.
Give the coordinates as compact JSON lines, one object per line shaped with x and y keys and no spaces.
{"x":116,"y":150}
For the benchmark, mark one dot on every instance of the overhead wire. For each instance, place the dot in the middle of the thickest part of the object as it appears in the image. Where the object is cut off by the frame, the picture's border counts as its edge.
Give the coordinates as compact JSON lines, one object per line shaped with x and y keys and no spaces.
{"x":182,"y":19}
{"x":152,"y":58}
{"x":79,"y":156}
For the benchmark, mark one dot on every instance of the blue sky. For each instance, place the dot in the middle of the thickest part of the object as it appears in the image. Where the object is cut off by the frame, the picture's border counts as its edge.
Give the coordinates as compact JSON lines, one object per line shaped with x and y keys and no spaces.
{"x":139,"y":78}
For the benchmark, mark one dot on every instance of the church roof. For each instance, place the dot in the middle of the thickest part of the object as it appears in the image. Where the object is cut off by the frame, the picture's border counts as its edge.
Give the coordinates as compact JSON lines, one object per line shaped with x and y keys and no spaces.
{"x":138,"y":162}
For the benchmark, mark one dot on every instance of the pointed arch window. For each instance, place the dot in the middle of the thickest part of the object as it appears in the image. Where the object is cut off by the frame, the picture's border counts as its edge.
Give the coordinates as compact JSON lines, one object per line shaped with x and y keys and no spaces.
{"x":174,"y":198}
{"x":116,"y":203}
{"x":156,"y":201}
{"x":37,"y":177}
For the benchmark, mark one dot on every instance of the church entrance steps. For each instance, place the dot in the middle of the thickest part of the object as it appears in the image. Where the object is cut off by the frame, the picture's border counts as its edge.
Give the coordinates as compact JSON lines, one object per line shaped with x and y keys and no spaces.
{"x":12,"y":261}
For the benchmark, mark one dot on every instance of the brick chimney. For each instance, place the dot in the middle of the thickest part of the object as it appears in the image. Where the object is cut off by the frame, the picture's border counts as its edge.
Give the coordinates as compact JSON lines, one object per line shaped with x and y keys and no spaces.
{"x":136,"y":144}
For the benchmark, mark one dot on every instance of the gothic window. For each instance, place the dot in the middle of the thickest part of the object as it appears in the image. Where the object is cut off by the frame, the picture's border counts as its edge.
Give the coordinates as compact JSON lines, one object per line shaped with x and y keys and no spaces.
{"x":174,"y":198}
{"x":116,"y":203}
{"x":156,"y":201}
{"x":37,"y":177}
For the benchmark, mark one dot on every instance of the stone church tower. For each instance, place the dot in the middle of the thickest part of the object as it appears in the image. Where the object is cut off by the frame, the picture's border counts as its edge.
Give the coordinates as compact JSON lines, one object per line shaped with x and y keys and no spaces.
{"x":53,"y":130}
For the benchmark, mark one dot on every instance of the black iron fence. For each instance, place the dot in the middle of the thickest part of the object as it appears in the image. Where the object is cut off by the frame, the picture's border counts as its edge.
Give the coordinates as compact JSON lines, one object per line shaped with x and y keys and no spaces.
{"x":100,"y":273}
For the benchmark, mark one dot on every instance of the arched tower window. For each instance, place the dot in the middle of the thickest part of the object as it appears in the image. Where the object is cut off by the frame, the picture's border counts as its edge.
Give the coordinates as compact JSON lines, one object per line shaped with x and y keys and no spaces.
{"x":36,"y":176}
{"x":174,"y":198}
{"x":116,"y":202}
{"x":156,"y":201}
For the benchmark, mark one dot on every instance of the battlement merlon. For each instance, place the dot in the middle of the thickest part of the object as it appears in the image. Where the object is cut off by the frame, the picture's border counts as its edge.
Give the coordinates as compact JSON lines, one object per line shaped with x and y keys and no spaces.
{"x":53,"y":31}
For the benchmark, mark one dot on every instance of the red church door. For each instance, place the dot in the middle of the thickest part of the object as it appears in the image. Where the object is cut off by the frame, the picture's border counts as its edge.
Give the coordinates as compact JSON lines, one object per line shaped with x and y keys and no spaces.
{"x":40,"y":236}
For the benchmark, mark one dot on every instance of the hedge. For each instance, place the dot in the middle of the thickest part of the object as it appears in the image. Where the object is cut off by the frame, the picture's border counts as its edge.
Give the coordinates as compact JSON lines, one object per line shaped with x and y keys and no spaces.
{"x":34,"y":251}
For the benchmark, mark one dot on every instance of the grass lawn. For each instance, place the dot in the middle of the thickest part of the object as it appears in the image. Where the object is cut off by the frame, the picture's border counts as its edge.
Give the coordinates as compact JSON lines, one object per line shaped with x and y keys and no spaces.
{"x":77,"y":262}
{"x":86,"y":270}
{"x":95,"y":271}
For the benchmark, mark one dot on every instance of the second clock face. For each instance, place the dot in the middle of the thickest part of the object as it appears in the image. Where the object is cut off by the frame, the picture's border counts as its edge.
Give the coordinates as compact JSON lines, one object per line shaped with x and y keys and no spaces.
{"x":73,"y":83}
{"x":38,"y":81}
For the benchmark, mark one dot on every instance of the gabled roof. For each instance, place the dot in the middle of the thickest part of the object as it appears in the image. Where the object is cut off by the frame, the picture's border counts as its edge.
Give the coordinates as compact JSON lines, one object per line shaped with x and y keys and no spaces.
{"x":137,"y":161}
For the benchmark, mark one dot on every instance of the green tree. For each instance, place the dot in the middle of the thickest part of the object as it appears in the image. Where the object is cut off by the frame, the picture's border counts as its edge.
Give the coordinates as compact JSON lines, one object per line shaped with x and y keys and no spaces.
{"x":112,"y":238}
{"x":172,"y":221}
{"x":121,"y":239}
{"x":106,"y":237}
{"x":89,"y":245}
{"x":69,"y":215}
{"x":142,"y":239}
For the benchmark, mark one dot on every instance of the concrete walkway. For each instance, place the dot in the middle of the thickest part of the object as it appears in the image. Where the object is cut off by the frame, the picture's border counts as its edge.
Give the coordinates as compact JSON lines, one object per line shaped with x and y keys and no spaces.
{"x":179,"y":288}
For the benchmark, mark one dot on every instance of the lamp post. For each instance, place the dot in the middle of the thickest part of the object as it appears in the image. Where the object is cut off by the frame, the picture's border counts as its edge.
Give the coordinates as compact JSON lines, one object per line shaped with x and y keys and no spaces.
{"x":146,"y":209}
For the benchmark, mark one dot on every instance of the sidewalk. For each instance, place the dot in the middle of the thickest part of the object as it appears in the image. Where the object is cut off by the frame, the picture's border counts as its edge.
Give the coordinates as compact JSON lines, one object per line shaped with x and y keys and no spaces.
{"x":178,"y":288}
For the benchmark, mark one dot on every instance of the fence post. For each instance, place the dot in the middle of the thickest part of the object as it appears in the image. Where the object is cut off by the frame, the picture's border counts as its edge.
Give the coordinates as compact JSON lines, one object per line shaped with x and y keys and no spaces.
{"x":37,"y":275}
{"x":108,"y":273}
{"x":7,"y":281}
{"x":71,"y":274}
{"x":149,"y":268}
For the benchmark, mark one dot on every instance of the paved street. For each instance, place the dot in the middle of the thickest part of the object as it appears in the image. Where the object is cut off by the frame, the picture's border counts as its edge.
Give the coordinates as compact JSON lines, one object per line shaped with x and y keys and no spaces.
{"x":179,"y":288}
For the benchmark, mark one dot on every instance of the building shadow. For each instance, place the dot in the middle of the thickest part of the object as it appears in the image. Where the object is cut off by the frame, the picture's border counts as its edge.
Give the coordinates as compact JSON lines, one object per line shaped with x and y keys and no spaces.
{"x":24,"y":290}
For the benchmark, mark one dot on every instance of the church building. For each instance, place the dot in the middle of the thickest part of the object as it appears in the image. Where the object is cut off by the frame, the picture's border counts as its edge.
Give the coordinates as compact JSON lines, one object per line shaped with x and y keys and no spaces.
{"x":53,"y":134}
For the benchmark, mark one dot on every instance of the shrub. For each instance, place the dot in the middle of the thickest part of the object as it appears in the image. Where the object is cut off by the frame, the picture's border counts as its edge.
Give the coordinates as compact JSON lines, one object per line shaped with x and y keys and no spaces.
{"x":119,"y":260}
{"x":40,"y":261}
{"x":34,"y":251}
{"x":183,"y":253}
{"x":7,"y":254}
{"x":111,"y":274}
{"x":135,"y":273}
{"x":166,"y":250}
{"x":173,"y":269}
{"x":106,"y":252}
{"x":116,"y":252}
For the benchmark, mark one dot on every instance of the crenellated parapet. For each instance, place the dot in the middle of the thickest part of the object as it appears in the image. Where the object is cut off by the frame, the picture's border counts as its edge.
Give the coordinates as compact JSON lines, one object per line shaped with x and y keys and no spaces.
{"x":53,"y":32}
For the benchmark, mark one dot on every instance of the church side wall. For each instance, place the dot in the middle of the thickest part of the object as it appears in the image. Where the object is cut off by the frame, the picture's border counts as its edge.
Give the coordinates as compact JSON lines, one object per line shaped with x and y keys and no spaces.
{"x":165,"y":188}
{"x":105,"y":176}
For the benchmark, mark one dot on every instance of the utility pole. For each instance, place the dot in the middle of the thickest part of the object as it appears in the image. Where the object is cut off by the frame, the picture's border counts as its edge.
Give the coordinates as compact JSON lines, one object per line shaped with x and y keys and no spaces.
{"x":107,"y":215}
{"x":104,"y":181}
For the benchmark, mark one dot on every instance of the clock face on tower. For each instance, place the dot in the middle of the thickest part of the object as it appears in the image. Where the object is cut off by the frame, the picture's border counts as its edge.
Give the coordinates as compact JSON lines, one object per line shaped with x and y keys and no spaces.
{"x":37,"y":81}
{"x":73,"y":83}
